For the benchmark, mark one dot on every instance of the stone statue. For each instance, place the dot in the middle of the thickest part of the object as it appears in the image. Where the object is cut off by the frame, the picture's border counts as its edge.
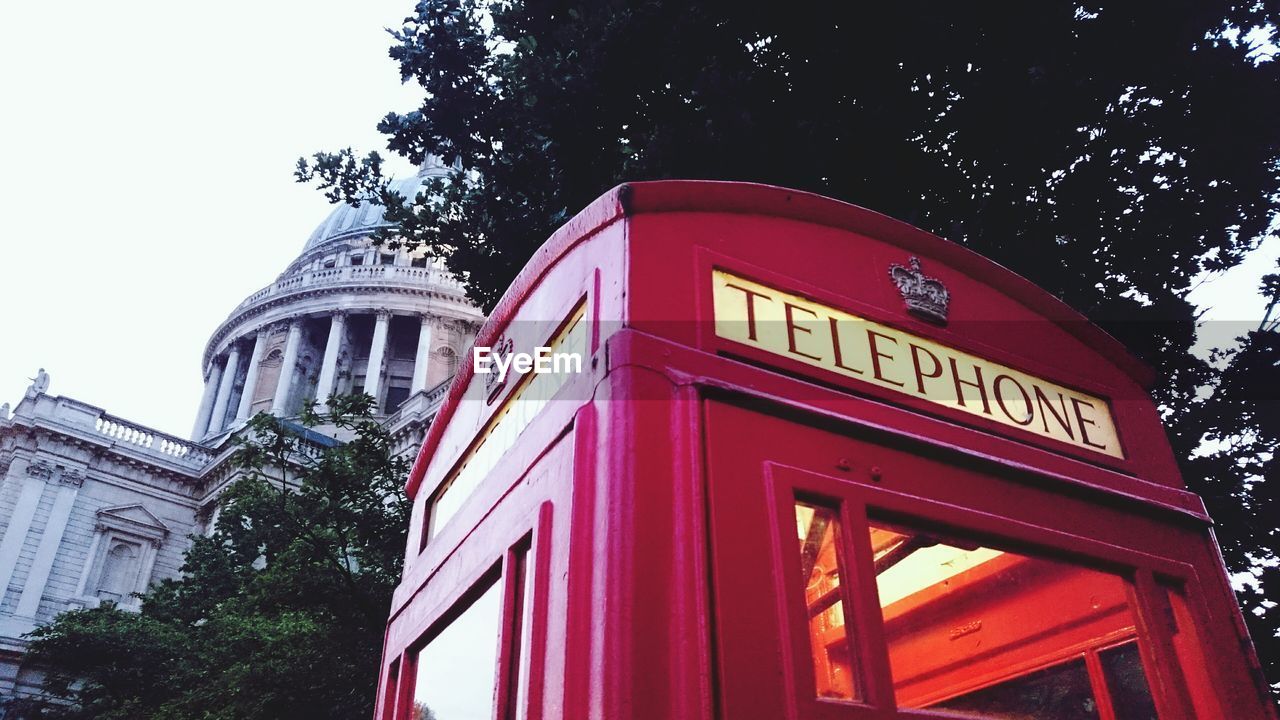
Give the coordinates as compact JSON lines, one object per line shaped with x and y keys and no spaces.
{"x":343,"y":365}
{"x":39,"y":383}
{"x":4,"y":411}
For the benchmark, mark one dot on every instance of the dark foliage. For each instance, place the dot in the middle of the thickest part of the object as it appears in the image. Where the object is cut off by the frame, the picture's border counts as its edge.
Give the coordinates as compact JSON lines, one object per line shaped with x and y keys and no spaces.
{"x":279,"y":613}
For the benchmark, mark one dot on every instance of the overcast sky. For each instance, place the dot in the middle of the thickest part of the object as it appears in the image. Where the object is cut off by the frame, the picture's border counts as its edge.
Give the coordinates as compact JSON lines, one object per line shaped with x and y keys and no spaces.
{"x":146,"y":181}
{"x":146,"y":185}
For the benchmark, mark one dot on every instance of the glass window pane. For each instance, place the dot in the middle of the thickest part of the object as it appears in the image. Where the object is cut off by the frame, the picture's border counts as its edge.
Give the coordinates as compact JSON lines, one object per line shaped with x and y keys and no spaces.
{"x":457,"y":669}
{"x":1064,"y":688}
{"x":1127,"y":683}
{"x":818,"y":529}
{"x":993,"y":632}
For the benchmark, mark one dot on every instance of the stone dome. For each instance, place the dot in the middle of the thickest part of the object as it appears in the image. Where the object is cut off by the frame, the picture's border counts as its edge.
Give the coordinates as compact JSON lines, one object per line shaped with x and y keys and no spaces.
{"x":343,"y":317}
{"x":348,"y":221}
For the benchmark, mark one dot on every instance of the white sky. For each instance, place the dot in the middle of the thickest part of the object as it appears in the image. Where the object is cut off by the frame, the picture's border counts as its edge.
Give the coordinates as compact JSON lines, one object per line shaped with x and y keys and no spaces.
{"x":146,"y":155}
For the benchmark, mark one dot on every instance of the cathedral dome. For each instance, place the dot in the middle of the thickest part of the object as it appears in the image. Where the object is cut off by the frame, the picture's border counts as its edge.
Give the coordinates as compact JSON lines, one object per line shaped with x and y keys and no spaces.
{"x":348,"y":221}
{"x":344,"y":317}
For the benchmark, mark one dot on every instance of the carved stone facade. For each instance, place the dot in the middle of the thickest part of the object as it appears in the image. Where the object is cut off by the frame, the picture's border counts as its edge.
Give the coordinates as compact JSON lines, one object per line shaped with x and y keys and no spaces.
{"x":94,"y":508}
{"x":344,"y":317}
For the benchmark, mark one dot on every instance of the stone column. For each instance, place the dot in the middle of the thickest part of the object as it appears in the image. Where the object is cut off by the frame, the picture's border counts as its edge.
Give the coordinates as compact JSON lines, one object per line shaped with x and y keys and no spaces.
{"x":421,"y":359}
{"x":82,"y":588}
{"x":373,"y":373}
{"x":288,"y":366}
{"x":146,"y":567}
{"x":206,"y":402}
{"x":218,"y":421}
{"x":24,"y":511}
{"x":473,"y":331}
{"x":68,"y":486}
{"x":329,"y":366}
{"x":251,"y":378}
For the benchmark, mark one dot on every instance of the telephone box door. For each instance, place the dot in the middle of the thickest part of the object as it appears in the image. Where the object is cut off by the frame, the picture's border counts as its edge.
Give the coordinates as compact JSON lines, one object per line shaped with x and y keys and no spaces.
{"x":864,"y":577}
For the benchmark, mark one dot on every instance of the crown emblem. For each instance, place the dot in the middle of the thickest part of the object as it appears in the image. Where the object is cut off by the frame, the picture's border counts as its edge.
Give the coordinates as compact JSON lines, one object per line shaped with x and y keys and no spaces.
{"x":924,"y":296}
{"x":492,"y":385}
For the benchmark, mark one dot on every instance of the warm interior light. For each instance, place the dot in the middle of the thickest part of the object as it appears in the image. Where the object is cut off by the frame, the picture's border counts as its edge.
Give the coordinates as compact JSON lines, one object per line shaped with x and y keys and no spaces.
{"x":969,"y":628}
{"x":907,"y":564}
{"x":818,"y":530}
{"x":998,"y":634}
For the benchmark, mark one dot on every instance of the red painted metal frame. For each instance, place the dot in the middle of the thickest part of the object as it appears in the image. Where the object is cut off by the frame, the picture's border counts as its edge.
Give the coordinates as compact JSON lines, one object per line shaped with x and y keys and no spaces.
{"x":619,"y":482}
{"x":910,"y":486}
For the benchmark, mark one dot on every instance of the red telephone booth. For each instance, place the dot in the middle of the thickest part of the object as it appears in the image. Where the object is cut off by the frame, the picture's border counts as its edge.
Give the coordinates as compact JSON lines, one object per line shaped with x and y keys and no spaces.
{"x":816,"y":463}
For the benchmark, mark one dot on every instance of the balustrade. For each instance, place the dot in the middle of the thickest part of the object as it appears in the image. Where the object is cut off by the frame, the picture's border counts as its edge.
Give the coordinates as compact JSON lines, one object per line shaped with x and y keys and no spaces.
{"x":356,"y":274}
{"x":152,"y":441}
{"x":195,"y":457}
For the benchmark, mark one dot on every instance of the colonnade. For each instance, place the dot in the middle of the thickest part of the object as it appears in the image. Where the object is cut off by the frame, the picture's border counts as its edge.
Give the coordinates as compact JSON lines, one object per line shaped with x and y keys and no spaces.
{"x":223,"y":369}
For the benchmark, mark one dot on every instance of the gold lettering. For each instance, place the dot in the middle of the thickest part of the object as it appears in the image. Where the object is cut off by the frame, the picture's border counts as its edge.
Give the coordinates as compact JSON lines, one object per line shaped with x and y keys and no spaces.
{"x":1043,"y":404}
{"x":977,"y":383}
{"x":1026,"y":399}
{"x":835,"y":347}
{"x":920,"y":376}
{"x":792,"y":328}
{"x":876,"y":355}
{"x":751,"y":307}
{"x":865,"y":351}
{"x":1081,"y":421}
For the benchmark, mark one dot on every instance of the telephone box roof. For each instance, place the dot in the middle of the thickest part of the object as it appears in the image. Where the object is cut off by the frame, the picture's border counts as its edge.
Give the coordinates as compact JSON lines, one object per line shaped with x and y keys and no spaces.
{"x":630,"y":200}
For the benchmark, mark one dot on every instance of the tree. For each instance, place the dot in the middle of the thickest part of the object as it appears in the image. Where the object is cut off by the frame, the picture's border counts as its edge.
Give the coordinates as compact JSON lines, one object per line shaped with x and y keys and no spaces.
{"x":279,"y":613}
{"x":1111,"y":152}
{"x":1237,"y":472}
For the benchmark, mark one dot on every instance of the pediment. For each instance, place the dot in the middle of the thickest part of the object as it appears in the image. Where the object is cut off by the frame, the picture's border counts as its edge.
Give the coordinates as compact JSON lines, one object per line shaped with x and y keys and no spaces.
{"x":133,"y":518}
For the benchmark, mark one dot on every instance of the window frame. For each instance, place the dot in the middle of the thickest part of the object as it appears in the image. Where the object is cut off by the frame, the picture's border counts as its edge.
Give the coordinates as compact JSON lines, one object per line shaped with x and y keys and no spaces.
{"x":491,"y":579}
{"x":147,"y":532}
{"x":856,"y":504}
{"x":843,"y":565}
{"x":523,"y":572}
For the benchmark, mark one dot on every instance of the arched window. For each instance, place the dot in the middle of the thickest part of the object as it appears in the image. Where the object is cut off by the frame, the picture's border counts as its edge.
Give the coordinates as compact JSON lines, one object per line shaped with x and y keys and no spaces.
{"x":121,"y":558}
{"x":448,"y":360}
{"x":119,"y":576}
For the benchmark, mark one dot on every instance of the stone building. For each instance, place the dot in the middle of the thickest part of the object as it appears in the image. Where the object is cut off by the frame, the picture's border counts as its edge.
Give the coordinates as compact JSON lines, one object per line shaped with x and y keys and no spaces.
{"x":94,"y":507}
